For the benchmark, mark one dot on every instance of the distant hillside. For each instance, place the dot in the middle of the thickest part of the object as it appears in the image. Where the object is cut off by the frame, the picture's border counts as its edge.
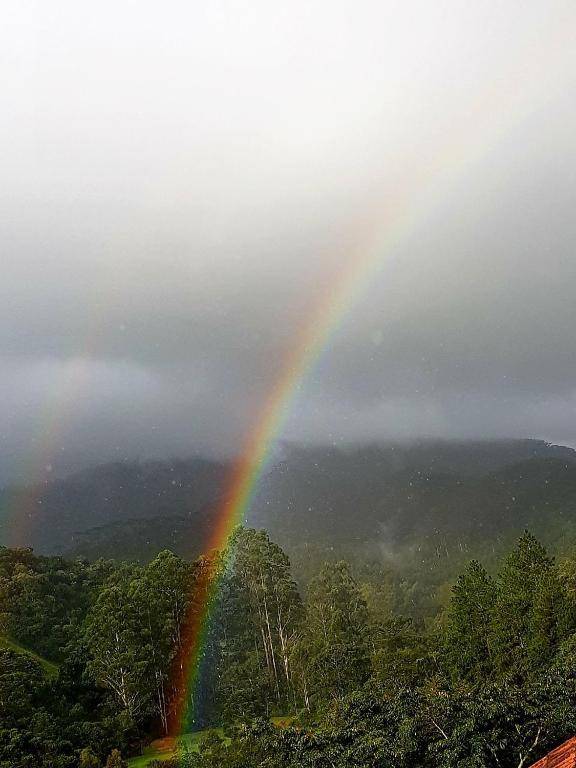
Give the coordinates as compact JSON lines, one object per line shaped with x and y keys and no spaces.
{"x":391,"y":503}
{"x":54,"y":518}
{"x":142,"y":539}
{"x":445,"y":501}
{"x":400,"y":493}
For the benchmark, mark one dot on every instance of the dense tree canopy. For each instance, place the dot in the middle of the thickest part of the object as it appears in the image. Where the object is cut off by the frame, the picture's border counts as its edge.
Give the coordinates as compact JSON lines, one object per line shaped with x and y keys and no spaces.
{"x":486,"y":681}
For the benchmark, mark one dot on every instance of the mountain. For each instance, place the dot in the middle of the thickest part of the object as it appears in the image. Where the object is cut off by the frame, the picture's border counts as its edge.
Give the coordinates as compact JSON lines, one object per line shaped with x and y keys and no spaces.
{"x":118,"y":509}
{"x":397,"y":504}
{"x":392,"y":503}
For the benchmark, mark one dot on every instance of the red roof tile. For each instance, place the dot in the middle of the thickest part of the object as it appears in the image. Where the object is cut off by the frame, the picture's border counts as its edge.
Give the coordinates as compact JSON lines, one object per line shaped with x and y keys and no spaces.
{"x":563,"y":756}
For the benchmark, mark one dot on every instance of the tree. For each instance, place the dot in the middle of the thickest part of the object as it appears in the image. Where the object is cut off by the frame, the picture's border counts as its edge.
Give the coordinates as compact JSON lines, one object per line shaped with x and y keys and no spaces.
{"x":21,"y":680}
{"x":163,"y":591}
{"x":119,"y":644}
{"x":532,"y":614}
{"x":115,"y":760}
{"x":468,"y":623}
{"x":88,"y":759}
{"x":332,"y":652}
{"x":400,"y":651}
{"x":260,"y":609}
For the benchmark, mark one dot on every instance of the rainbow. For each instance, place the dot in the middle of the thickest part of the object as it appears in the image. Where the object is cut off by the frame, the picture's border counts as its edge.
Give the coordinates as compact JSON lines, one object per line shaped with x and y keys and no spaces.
{"x":389,"y":222}
{"x":21,"y":511}
{"x":246,"y":474}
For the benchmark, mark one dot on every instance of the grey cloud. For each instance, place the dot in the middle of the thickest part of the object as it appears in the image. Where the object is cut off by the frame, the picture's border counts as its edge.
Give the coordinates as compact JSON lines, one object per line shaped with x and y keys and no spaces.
{"x":179,"y":189}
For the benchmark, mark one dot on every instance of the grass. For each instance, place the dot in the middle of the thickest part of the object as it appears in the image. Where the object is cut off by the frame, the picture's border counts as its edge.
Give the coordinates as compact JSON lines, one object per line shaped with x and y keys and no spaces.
{"x":192,"y":742}
{"x":49,"y":667}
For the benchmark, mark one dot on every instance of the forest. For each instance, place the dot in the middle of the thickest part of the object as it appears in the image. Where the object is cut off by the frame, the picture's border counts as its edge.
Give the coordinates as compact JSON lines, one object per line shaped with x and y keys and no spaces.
{"x":347,"y":669}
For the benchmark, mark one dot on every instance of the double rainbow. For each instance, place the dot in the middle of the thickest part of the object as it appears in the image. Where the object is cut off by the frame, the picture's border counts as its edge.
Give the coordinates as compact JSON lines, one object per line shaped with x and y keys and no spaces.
{"x":527,"y":81}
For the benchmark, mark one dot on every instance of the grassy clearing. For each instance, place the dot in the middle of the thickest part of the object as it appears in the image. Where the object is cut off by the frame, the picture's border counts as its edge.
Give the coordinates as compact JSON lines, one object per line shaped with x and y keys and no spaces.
{"x":49,"y":667}
{"x":160,"y":750}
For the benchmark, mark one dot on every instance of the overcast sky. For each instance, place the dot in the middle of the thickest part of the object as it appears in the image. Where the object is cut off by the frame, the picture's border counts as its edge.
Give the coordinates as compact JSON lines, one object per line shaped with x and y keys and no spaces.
{"x":180,"y":179}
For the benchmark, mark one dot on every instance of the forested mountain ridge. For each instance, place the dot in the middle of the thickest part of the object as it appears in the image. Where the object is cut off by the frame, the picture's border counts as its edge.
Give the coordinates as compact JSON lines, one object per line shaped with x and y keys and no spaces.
{"x":388,"y":502}
{"x":415,"y":505}
{"x":56,"y":516}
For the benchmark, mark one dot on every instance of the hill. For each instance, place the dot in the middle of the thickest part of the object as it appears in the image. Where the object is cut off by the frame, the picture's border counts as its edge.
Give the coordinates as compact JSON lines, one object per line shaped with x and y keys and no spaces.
{"x":394,"y":503}
{"x":362,"y":505}
{"x":372,"y":492}
{"x":124,"y":499}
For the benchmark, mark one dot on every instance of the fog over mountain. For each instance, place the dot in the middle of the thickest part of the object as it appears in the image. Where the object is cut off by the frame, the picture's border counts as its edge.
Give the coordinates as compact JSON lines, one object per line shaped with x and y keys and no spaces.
{"x":391,"y":503}
{"x":178,"y":189}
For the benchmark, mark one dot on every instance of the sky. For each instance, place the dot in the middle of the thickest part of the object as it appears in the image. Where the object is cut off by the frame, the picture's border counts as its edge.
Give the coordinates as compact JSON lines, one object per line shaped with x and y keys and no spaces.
{"x":184,"y":184}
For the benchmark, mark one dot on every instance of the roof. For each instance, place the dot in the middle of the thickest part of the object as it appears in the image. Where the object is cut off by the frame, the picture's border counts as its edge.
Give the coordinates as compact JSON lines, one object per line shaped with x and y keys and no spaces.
{"x":563,"y":756}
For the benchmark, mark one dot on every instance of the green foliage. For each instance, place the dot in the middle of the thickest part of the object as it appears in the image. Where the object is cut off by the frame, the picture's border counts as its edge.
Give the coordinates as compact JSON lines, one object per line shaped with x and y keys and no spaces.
{"x":134,"y":630}
{"x":401,"y":653}
{"x":120,"y":657}
{"x":21,"y":679}
{"x":490,"y":682}
{"x":115,"y":760}
{"x":332,"y":651}
{"x":88,"y":759}
{"x":533,"y":612}
{"x":43,"y":600}
{"x":50,"y":669}
{"x":468,"y":623}
{"x":254,"y":628}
